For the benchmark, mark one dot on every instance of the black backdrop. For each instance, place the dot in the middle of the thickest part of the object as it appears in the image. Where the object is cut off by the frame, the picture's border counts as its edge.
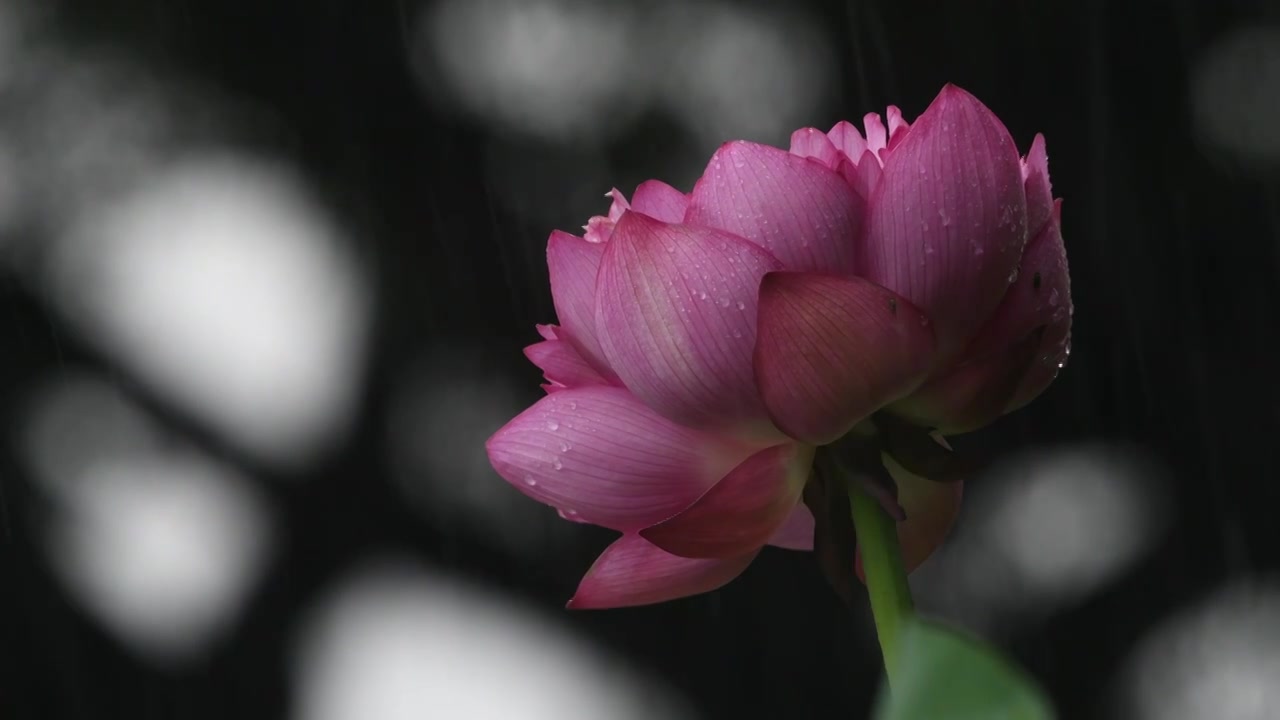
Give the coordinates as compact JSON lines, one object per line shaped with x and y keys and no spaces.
{"x":1173,"y":252}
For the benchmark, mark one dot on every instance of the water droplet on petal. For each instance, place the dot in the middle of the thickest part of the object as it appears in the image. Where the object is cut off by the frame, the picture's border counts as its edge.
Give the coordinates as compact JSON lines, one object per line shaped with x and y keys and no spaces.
{"x":530,"y":481}
{"x":553,"y":424}
{"x":742,"y":305}
{"x":725,"y":302}
{"x":557,"y":464}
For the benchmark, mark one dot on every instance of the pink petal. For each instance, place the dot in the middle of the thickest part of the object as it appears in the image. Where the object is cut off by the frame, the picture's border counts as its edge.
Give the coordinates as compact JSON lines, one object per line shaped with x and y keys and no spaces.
{"x":618,"y":205}
{"x":863,"y":177}
{"x":676,"y":318}
{"x":897,"y":126}
{"x":741,"y":512}
{"x":1035,"y":174}
{"x":548,"y":332}
{"x":797,"y":532}
{"x":931,"y":511}
{"x":599,"y":228}
{"x":573,"y":264}
{"x":1015,"y":356}
{"x":562,"y":365}
{"x":660,"y":201}
{"x":803,"y":213}
{"x":948,"y":219}
{"x":877,"y":138}
{"x":833,"y":350}
{"x":846,"y":138}
{"x":599,"y":454}
{"x":813,"y":143}
{"x":1039,"y":298}
{"x":971,"y":396}
{"x":1054,"y":350}
{"x":632,"y":572}
{"x":1046,"y":260}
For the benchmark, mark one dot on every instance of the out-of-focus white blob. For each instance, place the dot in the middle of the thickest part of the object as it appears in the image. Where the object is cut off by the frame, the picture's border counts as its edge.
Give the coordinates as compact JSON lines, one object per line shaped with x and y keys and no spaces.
{"x":396,"y":643}
{"x":1041,"y":531}
{"x":1235,"y":89}
{"x":158,"y":542}
{"x":731,"y":72}
{"x":222,"y":285}
{"x":443,"y":411}
{"x":60,"y":162}
{"x":556,"y":69}
{"x":1220,"y":660}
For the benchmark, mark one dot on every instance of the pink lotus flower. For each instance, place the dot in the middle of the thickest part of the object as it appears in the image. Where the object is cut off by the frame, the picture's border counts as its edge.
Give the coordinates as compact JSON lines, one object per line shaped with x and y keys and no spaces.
{"x":710,"y":343}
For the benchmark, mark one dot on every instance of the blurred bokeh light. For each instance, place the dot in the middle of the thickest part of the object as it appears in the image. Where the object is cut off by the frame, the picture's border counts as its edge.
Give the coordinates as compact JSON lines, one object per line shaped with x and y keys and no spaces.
{"x":1044,"y":530}
{"x":1219,"y":659}
{"x":1236,"y":94}
{"x":396,"y":642}
{"x":226,"y":289}
{"x":159,"y":542}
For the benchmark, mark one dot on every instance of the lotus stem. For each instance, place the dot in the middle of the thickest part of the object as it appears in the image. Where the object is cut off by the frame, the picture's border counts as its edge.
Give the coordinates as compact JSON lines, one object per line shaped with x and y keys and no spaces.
{"x":886,"y":577}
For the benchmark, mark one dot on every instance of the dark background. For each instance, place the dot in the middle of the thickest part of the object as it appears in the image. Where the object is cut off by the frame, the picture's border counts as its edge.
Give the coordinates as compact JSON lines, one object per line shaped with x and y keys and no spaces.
{"x":1164,"y":141}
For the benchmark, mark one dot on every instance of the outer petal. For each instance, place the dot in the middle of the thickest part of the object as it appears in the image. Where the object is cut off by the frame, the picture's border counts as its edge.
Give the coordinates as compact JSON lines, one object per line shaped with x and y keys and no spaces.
{"x":660,"y":201}
{"x":833,"y":350}
{"x":562,"y":365}
{"x":1035,"y":174}
{"x":1041,"y":296}
{"x":813,"y":143}
{"x":973,"y":395}
{"x":600,"y":455}
{"x":803,"y":213}
{"x":948,"y":219}
{"x":931,"y":511}
{"x":1015,"y":357}
{"x":632,"y":571}
{"x":1040,"y":301}
{"x":743,"y":510}
{"x":797,"y":532}
{"x":1054,"y":350}
{"x":573,"y":264}
{"x":676,"y":314}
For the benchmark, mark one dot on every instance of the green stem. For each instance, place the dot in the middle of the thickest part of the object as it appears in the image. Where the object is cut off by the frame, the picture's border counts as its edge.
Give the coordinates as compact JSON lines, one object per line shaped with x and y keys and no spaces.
{"x":885,"y":574}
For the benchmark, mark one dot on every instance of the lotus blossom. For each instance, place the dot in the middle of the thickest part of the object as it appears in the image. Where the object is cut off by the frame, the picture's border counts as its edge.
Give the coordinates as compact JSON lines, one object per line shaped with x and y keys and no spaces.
{"x":710,"y":343}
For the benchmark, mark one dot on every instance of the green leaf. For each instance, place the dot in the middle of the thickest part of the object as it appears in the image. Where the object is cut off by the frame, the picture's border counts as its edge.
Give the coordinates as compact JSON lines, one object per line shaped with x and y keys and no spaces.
{"x":941,"y":674}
